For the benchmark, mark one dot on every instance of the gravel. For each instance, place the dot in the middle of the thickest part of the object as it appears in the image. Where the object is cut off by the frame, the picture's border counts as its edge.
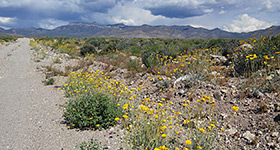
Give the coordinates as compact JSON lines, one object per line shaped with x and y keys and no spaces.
{"x":29,"y":116}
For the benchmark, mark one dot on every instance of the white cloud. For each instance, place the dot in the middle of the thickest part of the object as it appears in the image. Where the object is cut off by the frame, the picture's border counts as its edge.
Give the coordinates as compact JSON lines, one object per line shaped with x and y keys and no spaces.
{"x":128,"y":14}
{"x":222,"y":12}
{"x":7,"y":20}
{"x":182,"y":3}
{"x":51,"y":23}
{"x":270,"y":5}
{"x":245,"y":23}
{"x":208,"y":10}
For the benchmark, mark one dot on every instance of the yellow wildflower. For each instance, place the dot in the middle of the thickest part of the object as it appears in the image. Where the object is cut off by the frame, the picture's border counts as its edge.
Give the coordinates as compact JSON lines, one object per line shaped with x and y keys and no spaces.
{"x":163,"y":147}
{"x":188,"y":142}
{"x":201,"y":130}
{"x":163,"y":135}
{"x":156,"y":116}
{"x":235,"y":108}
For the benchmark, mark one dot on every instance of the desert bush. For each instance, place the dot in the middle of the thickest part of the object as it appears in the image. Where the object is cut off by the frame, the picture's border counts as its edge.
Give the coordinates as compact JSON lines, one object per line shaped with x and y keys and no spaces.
{"x":49,"y":81}
{"x":87,"y":49}
{"x":92,"y":111}
{"x":34,"y":45}
{"x":8,"y":38}
{"x":265,"y":51}
{"x":92,"y":144}
{"x":156,"y":57}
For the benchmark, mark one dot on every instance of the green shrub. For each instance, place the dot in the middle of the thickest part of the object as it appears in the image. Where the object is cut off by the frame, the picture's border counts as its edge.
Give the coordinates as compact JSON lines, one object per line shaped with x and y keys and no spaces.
{"x":90,"y":145}
{"x":49,"y":81}
{"x":151,"y":58}
{"x":135,"y":50}
{"x":7,"y":38}
{"x":257,"y":58}
{"x":91,"y":111}
{"x":87,"y":49}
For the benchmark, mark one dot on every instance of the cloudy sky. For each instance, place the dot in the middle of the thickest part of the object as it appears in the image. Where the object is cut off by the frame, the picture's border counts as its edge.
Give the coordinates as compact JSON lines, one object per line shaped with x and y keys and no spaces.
{"x":229,"y":15}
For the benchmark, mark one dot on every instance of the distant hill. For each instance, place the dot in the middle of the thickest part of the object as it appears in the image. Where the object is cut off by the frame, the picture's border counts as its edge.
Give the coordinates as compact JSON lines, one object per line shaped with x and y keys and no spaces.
{"x":144,"y":31}
{"x":4,"y":32}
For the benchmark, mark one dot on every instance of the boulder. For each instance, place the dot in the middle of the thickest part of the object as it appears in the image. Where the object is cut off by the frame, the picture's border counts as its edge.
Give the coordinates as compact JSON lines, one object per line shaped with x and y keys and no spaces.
{"x":246,"y":46}
{"x":218,"y":59}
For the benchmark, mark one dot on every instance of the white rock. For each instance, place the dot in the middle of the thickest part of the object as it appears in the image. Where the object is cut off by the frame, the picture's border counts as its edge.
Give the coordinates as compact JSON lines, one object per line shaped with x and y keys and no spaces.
{"x":278,"y":72}
{"x":223,"y":115}
{"x":249,"y":136}
{"x":275,"y":134}
{"x":224,"y":91}
{"x":218,"y":58}
{"x":270,"y":144}
{"x":231,"y":131}
{"x":132,"y":57}
{"x":269,"y":77}
{"x":246,"y":46}
{"x":214,"y":73}
{"x":183,"y":78}
{"x":182,"y":92}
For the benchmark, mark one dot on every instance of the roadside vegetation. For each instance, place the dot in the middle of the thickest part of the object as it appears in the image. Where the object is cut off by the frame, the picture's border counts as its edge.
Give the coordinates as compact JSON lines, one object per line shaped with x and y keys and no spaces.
{"x":6,"y":39}
{"x":166,"y":109}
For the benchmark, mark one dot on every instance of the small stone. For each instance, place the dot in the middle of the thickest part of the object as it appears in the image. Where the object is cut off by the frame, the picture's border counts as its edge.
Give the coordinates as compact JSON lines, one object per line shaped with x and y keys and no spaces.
{"x":258,"y":145}
{"x":277,"y":118}
{"x":132,"y":57}
{"x":249,"y":136}
{"x":231,"y":131}
{"x":269,"y":77}
{"x":277,"y":107}
{"x":275,"y":134}
{"x":224,"y":91}
{"x":267,"y":138}
{"x":260,"y":133}
{"x":223,"y":116}
{"x":217,"y":96}
{"x":271,"y":145}
{"x":277,"y":72}
{"x":214,"y":73}
{"x":181,"y":92}
{"x":233,"y":101}
{"x":258,"y":94}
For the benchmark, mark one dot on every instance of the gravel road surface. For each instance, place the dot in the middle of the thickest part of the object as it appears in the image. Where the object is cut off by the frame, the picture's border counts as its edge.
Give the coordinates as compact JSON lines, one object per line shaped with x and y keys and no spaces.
{"x":29,"y":118}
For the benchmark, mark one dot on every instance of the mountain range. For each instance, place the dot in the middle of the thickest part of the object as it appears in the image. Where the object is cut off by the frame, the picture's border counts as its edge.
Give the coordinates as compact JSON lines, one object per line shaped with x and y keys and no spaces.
{"x":144,"y":31}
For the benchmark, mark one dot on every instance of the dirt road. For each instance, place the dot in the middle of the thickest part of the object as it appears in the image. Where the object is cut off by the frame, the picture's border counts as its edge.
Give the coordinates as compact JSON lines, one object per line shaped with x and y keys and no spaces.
{"x":29,"y":118}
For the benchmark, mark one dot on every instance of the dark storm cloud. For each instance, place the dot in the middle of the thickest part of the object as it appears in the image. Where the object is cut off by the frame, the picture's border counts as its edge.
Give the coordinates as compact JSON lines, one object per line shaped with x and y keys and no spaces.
{"x":100,"y":6}
{"x":176,"y":12}
{"x":30,"y":13}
